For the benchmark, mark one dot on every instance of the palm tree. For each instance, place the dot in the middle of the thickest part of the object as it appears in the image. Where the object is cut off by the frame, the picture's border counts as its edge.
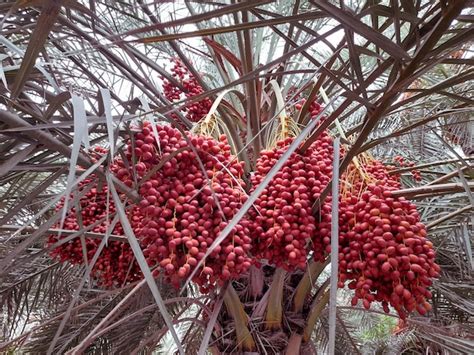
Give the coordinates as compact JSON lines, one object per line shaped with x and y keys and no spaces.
{"x":393,"y":77}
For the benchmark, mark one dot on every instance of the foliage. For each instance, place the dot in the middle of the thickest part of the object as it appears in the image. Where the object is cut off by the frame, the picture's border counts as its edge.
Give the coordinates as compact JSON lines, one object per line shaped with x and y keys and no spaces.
{"x":397,"y":76}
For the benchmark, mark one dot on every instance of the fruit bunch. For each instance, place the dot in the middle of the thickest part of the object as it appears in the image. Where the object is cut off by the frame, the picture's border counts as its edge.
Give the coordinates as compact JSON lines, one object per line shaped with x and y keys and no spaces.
{"x":295,"y":94}
{"x":192,"y":186}
{"x":354,"y":183}
{"x":383,"y":251}
{"x":189,"y":87}
{"x":314,"y":108}
{"x":284,"y":225}
{"x":186,"y":205}
{"x":400,"y":162}
{"x":116,"y":264}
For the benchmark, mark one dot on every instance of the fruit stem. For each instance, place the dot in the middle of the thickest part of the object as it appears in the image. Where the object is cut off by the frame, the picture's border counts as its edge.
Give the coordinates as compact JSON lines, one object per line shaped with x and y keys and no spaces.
{"x":274,"y":314}
{"x":214,"y":350}
{"x":339,"y":128}
{"x":294,"y":344}
{"x":306,"y":283}
{"x":256,"y":281}
{"x":236,"y":310}
{"x":321,"y":300}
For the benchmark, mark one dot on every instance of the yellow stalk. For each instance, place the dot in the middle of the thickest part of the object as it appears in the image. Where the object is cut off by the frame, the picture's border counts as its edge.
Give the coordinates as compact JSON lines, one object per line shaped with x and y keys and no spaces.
{"x":280,"y":100}
{"x":215,"y":105}
{"x":236,"y":310}
{"x":287,"y":127}
{"x":306,"y":283}
{"x":274,"y":314}
{"x":284,"y":129}
{"x":338,"y":124}
{"x":210,"y":125}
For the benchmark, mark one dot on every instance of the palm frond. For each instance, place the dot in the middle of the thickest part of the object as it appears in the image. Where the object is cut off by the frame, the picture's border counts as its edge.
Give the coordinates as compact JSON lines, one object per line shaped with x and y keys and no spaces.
{"x":399,"y":80}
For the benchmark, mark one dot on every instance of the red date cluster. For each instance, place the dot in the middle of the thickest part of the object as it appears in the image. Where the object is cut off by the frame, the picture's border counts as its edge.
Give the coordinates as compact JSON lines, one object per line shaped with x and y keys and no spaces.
{"x":284,"y":224}
{"x":187,"y":203}
{"x":400,"y":161}
{"x":116,"y":264}
{"x":195,"y":110}
{"x":384,"y":254}
{"x":314,"y":108}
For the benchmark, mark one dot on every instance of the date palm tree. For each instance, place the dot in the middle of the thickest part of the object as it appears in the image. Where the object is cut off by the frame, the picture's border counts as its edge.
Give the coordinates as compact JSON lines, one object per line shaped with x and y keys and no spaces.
{"x":394,"y":78}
